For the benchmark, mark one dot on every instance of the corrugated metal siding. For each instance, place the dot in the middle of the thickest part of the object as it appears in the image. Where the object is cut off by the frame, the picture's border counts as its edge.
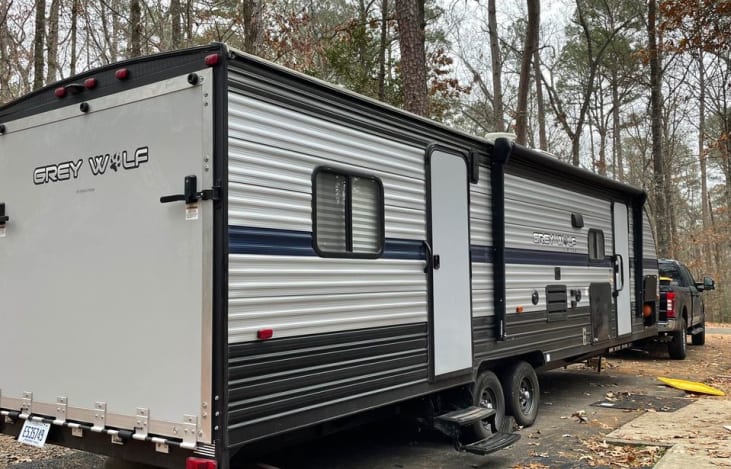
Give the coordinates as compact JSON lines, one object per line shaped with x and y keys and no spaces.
{"x":280,"y":378}
{"x":532,"y":206}
{"x":481,"y":235}
{"x":273,"y":151}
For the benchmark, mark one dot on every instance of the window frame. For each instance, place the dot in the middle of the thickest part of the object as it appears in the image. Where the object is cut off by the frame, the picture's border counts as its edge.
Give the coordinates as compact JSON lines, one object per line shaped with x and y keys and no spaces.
{"x":595,"y":260}
{"x":380,"y":207}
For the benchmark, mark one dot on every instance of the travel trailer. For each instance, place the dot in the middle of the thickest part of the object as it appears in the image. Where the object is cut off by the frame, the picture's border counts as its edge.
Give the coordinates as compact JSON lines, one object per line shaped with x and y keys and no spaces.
{"x":200,"y":251}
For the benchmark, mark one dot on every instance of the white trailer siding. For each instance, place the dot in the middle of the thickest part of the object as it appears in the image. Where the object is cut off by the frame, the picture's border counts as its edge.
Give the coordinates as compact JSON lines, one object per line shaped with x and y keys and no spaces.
{"x":481,"y":243}
{"x":273,"y":152}
{"x":537,"y":209}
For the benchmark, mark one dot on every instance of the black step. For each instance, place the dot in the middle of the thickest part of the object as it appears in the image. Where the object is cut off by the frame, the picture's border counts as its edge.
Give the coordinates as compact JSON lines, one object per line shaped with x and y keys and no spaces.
{"x":495,"y":442}
{"x":466,"y":416}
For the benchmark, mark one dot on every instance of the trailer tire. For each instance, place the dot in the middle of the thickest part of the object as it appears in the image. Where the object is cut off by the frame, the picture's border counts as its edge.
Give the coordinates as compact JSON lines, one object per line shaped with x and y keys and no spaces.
{"x":700,"y":337}
{"x":487,"y":392}
{"x":678,"y":347}
{"x":522,"y":393}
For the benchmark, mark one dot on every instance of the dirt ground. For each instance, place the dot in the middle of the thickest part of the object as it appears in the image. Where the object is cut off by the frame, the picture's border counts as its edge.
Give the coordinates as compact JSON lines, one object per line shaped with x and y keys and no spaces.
{"x":571,"y":431}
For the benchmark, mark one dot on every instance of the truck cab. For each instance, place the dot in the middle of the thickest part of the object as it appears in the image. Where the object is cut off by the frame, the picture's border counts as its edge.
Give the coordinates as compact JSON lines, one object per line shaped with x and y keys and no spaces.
{"x":681,"y":311}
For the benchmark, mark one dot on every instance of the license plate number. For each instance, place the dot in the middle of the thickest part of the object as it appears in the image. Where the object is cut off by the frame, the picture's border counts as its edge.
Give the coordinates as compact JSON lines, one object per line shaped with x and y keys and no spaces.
{"x":34,"y":433}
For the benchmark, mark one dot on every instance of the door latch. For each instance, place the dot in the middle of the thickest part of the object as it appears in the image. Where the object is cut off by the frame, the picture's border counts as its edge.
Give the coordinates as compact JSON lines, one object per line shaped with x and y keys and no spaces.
{"x":3,"y":218}
{"x":191,"y":194}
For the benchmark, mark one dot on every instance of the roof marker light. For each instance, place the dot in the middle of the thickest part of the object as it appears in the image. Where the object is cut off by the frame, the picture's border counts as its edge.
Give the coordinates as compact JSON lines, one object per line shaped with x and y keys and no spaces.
{"x":90,"y":83}
{"x":60,"y":92}
{"x":121,"y":74}
{"x":212,"y":59}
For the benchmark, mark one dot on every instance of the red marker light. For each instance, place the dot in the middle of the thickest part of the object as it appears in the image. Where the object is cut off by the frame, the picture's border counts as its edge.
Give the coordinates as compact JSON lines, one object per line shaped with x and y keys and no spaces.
{"x":264,"y":334}
{"x":200,"y":463}
{"x":90,"y":83}
{"x":121,"y":74}
{"x":60,"y":92}
{"x":212,"y":59}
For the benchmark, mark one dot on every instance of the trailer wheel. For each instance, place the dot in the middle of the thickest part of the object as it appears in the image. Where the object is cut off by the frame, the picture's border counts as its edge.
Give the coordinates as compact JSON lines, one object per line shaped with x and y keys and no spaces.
{"x":487,"y":392}
{"x":700,"y":337}
{"x":677,"y":347}
{"x":522,"y":393}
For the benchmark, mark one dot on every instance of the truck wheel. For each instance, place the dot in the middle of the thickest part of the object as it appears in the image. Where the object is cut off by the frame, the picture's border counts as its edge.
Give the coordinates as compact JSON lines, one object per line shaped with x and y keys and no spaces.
{"x":522,"y":393}
{"x":677,"y":347}
{"x":487,"y":392}
{"x":700,"y":338}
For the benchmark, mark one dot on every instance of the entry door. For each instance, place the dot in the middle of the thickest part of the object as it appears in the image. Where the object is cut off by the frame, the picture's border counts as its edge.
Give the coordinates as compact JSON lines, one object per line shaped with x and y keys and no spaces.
{"x":621,"y":269}
{"x":452,"y":305}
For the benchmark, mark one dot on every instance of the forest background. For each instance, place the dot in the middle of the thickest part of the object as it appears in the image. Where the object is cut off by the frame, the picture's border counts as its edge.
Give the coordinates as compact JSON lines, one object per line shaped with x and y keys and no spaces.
{"x":636,"y":91}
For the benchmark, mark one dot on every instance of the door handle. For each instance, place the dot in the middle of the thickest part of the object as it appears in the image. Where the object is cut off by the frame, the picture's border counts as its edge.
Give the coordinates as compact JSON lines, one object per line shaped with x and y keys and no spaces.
{"x":3,"y":218}
{"x":436,"y":262}
{"x":190,"y":193}
{"x":429,"y":257}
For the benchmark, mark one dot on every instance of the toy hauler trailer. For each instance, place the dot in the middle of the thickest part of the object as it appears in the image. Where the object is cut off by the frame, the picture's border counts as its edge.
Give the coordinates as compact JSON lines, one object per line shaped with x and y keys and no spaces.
{"x":200,"y":251}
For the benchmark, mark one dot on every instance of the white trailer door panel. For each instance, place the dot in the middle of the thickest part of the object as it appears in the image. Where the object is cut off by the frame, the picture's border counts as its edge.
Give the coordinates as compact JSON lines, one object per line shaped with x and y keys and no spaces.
{"x":105,"y":291}
{"x":621,"y":274}
{"x":452,"y":305}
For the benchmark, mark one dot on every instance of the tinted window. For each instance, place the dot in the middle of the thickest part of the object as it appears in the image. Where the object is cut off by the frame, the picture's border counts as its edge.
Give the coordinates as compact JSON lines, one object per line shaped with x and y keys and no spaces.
{"x":348,"y":214}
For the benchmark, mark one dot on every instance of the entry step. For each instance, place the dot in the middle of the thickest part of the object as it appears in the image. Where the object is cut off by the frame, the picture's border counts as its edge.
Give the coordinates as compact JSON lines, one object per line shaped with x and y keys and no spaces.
{"x":466,"y":416}
{"x":489,"y":445}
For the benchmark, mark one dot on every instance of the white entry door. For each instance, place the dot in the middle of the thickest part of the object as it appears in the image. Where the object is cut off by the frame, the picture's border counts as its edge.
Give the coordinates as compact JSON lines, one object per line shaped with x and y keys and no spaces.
{"x":452,"y":305}
{"x":621,"y":269}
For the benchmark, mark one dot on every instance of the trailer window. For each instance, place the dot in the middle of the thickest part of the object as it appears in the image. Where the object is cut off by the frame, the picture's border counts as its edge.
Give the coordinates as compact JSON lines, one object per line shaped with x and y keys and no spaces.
{"x":596,"y":245}
{"x":347,"y":214}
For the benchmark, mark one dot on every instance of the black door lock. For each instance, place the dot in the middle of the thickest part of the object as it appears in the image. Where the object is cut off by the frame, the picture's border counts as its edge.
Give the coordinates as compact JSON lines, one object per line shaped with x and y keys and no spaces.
{"x":190,"y":193}
{"x":437,"y":262}
{"x":3,"y":218}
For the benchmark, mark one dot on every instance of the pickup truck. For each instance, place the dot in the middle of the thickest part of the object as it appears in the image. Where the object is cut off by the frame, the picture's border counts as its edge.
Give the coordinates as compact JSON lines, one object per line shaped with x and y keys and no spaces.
{"x":681,"y":311}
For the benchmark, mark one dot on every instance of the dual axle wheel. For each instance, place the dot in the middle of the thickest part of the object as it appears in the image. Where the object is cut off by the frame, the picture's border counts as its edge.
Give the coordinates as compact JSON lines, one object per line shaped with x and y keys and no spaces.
{"x":516,"y":393}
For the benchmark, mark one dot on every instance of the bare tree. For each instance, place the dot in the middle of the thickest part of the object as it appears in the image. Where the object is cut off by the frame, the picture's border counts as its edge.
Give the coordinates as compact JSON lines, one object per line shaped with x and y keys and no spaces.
{"x":252,"y":25}
{"x":75,"y":7}
{"x":134,"y":48}
{"x":529,"y":48}
{"x":176,"y":33}
{"x":38,"y":39}
{"x":383,"y":45}
{"x":661,"y":218}
{"x":410,"y":18}
{"x":496,"y":60}
{"x":53,"y":41}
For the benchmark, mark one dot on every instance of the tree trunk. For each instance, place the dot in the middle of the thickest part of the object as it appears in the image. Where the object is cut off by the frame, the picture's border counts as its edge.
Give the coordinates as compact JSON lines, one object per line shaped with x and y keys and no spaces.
{"x":382,"y":52}
{"x":701,"y":146}
{"x":658,"y":163}
{"x":75,"y":7}
{"x":38,"y":59}
{"x":496,"y":61}
{"x":252,"y":25}
{"x":4,"y":52}
{"x":531,"y":44}
{"x":540,"y":103}
{"x":53,"y":41}
{"x":617,"y":157}
{"x":410,"y":18}
{"x":135,"y":29}
{"x":176,"y":34}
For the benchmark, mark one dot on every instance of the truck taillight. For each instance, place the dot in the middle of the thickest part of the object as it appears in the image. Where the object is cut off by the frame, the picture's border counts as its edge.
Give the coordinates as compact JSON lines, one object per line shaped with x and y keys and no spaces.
{"x":670,"y":311}
{"x":200,"y":463}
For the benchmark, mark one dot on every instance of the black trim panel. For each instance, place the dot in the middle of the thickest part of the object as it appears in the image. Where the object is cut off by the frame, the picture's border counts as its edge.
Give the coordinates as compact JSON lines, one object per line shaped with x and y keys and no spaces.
{"x":279,"y":379}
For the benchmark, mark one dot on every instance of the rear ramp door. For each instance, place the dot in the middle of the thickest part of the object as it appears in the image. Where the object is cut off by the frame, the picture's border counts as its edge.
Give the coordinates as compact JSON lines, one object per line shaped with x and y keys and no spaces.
{"x":105,"y":290}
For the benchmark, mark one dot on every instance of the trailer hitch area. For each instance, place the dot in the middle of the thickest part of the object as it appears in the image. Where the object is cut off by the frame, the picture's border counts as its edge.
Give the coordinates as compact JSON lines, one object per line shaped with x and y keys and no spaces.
{"x":3,"y":218}
{"x":190,"y":193}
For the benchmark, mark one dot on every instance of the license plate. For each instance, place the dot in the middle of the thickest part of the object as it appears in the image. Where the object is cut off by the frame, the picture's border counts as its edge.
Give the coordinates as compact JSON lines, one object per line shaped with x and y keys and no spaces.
{"x":34,"y":433}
